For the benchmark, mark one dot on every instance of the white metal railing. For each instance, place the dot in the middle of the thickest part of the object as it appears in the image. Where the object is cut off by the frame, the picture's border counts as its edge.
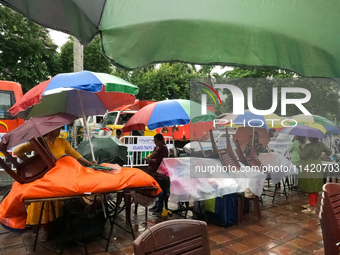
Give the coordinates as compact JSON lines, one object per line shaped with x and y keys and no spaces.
{"x":141,"y":147}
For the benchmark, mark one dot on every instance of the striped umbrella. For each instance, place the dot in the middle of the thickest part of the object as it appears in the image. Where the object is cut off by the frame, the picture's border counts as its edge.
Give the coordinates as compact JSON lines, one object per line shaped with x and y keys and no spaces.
{"x":76,"y":94}
{"x":167,"y":113}
{"x":316,"y":121}
{"x":251,"y":119}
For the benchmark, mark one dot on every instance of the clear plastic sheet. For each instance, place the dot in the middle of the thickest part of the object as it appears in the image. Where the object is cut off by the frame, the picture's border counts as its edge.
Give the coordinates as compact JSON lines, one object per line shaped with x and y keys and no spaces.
{"x":185,"y":188}
{"x":278,"y":166}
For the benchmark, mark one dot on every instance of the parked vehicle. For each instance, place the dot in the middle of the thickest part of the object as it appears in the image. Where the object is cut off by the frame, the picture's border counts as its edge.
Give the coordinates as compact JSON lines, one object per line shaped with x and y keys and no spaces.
{"x":117,"y":119}
{"x":281,"y":144}
{"x":10,"y":92}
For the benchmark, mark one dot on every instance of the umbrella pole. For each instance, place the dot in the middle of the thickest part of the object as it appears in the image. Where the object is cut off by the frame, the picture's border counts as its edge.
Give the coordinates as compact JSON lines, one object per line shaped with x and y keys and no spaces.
{"x":173,"y":139}
{"x":87,"y":130}
{"x":253,"y":136}
{"x":88,"y":135}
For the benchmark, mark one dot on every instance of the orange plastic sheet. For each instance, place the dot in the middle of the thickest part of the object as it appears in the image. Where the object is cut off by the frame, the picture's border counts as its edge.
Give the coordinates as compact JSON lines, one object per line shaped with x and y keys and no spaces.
{"x":69,"y":178}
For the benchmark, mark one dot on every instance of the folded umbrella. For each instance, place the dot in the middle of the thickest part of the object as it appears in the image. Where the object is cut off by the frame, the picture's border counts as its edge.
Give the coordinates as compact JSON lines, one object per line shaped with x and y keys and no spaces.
{"x":107,"y":149}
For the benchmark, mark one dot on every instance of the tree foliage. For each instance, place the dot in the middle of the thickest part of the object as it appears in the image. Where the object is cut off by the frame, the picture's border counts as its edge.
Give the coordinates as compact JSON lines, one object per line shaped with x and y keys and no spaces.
{"x":93,"y":59}
{"x":27,"y":54}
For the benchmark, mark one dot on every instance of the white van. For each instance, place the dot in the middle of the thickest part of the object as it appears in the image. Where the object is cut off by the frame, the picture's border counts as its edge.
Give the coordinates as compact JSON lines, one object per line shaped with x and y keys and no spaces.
{"x":94,"y":123}
{"x":281,"y":144}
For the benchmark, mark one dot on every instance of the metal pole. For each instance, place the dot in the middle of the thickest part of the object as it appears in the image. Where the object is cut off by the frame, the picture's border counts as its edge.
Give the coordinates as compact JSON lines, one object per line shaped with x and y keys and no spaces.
{"x":77,"y":56}
{"x":78,"y":66}
{"x":173,"y":138}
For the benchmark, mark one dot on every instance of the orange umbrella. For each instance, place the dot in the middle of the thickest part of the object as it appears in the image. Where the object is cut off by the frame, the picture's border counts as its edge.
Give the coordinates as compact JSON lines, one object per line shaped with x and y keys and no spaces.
{"x":244,"y":135}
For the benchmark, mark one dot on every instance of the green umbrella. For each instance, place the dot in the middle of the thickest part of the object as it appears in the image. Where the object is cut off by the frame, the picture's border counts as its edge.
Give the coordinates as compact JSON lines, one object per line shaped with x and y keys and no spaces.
{"x":298,"y":35}
{"x":107,"y":149}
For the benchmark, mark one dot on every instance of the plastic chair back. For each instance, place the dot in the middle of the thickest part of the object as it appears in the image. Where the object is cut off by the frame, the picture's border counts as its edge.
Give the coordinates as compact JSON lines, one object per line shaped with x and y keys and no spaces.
{"x":174,"y":237}
{"x":330,"y":217}
{"x":253,"y":160}
{"x":227,"y":155}
{"x":239,"y":153}
{"x":33,"y":168}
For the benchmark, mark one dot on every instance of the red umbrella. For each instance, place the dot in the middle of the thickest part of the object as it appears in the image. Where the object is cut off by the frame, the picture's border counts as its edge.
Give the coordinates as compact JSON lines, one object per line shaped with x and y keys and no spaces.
{"x":35,"y":127}
{"x":244,"y":136}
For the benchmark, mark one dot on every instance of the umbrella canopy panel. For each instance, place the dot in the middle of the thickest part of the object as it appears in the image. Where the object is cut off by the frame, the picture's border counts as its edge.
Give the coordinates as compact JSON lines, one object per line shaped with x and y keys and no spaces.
{"x":251,"y":119}
{"x":167,"y":113}
{"x":304,"y":130}
{"x":35,"y":127}
{"x":302,"y":36}
{"x":302,"y":118}
{"x":76,"y":17}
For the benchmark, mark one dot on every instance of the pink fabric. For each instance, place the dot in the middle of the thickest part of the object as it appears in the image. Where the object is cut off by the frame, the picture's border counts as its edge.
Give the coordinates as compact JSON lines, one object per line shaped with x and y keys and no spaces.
{"x":163,"y":170}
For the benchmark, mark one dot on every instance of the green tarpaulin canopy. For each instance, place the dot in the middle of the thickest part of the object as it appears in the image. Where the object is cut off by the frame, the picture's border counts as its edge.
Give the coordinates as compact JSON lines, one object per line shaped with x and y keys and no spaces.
{"x":298,"y":35}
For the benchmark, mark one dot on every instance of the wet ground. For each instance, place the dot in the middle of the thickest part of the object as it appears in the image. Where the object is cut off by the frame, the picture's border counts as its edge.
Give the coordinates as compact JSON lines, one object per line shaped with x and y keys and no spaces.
{"x":282,"y":230}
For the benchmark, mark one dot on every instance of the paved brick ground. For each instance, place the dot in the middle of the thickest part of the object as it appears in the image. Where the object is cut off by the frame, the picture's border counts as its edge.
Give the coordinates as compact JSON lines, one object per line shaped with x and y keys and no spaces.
{"x":282,"y":230}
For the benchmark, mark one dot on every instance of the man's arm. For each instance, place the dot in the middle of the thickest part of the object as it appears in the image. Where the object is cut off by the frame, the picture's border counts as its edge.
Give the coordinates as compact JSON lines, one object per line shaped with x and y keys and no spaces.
{"x":20,"y":151}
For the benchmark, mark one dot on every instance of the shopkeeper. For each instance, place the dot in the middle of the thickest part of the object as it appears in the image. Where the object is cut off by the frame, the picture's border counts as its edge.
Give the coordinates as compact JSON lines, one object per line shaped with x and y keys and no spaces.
{"x":59,"y":148}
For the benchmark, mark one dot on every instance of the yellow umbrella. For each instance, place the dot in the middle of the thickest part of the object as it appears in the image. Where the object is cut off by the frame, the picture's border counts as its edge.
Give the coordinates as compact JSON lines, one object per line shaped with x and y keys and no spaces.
{"x":313,"y":125}
{"x":275,"y":121}
{"x":302,"y":118}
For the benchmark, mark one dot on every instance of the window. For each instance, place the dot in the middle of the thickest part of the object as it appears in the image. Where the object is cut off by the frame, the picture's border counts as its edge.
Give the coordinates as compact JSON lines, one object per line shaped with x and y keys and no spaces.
{"x":6,"y":102}
{"x":110,"y":119}
{"x":124,"y":118}
{"x":99,"y":119}
{"x":284,"y":138}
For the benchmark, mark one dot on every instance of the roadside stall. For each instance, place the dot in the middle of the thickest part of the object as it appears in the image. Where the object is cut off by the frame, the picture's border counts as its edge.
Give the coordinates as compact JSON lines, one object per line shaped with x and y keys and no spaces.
{"x":76,"y":95}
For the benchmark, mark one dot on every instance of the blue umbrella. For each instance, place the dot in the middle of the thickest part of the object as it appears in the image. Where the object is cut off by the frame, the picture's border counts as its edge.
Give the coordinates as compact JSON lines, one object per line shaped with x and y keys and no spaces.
{"x":303,"y":130}
{"x":332,"y":130}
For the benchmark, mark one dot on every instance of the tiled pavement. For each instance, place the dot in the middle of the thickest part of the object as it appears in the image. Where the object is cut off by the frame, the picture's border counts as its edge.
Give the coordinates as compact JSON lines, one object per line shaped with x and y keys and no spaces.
{"x":282,"y":230}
